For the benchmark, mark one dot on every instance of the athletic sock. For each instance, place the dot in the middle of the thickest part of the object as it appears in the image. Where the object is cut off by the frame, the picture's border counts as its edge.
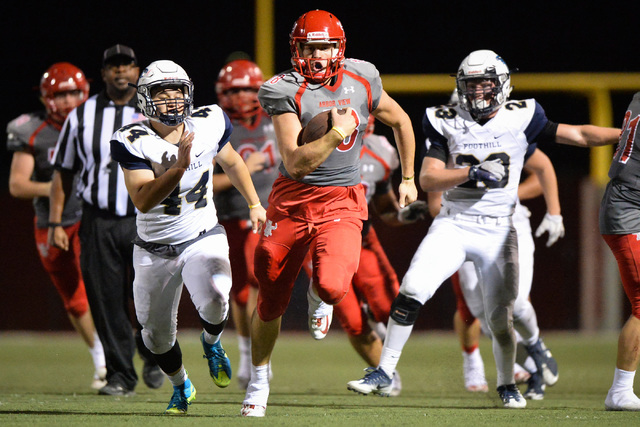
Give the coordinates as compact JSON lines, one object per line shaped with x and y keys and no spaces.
{"x":179,"y":378}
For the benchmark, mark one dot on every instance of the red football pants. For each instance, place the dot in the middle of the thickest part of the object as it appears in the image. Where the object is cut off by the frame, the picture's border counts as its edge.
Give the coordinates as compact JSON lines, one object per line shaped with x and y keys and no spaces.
{"x":242,"y":247}
{"x":626,"y":249}
{"x":63,"y":268}
{"x":284,"y":243}
{"x":375,"y":283}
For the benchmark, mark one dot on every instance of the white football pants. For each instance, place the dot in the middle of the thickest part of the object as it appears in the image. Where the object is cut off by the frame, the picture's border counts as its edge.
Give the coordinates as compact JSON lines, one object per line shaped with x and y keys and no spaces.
{"x":204,"y":269}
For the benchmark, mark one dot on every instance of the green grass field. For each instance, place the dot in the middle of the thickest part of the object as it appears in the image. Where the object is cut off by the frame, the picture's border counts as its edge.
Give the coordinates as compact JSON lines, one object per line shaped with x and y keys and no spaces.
{"x":44,"y":380}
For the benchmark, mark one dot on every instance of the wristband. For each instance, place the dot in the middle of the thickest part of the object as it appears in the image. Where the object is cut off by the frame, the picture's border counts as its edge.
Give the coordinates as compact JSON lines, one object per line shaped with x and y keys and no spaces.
{"x":410,"y":178}
{"x":54,"y":224}
{"x":339,"y":132}
{"x":255,"y":206}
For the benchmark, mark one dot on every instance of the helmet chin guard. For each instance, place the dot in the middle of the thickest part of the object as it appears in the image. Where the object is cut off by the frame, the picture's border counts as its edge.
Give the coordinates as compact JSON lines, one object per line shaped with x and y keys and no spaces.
{"x":165,"y":74}
{"x":478,"y":66}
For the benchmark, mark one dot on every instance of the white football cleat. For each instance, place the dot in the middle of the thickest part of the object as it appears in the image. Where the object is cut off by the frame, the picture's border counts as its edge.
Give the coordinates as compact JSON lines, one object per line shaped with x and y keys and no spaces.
{"x":99,"y":378}
{"x":396,"y":385}
{"x":511,"y":397}
{"x":320,"y":315}
{"x":253,"y":410}
{"x":622,"y":400}
{"x":473,"y":369}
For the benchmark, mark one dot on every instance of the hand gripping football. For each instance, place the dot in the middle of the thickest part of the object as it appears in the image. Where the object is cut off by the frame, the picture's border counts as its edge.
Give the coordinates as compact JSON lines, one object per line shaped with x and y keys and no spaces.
{"x":317,"y":127}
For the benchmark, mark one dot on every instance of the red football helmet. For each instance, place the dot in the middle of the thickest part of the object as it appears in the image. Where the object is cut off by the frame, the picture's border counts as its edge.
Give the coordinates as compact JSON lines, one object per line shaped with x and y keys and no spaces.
{"x":237,"y":89}
{"x":317,"y":26}
{"x":62,"y":77}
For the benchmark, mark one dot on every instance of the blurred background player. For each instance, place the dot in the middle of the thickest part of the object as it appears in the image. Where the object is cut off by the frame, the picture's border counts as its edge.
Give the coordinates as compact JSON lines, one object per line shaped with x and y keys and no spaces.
{"x":363,"y":313}
{"x":167,"y":162}
{"x":469,"y":317}
{"x":317,"y":203}
{"x":32,"y":137}
{"x":254,"y":139}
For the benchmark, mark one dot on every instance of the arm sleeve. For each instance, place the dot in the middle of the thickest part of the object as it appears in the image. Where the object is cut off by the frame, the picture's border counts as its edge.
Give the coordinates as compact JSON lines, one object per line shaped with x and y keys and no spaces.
{"x":436,"y":145}
{"x":127,"y":160}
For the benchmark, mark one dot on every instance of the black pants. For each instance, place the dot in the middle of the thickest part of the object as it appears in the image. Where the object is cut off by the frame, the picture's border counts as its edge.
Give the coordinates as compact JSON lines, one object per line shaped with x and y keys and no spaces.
{"x":106,"y":261}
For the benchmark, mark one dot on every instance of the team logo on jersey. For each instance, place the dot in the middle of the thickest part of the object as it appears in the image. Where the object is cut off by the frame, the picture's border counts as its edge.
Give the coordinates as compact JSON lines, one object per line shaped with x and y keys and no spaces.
{"x":43,"y":248}
{"x":269,"y":227}
{"x":348,"y":90}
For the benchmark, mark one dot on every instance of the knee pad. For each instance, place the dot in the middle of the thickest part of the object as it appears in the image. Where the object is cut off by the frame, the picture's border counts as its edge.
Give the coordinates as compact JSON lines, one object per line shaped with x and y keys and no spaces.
{"x":404,"y":310}
{"x":213,"y":329}
{"x":170,"y":361}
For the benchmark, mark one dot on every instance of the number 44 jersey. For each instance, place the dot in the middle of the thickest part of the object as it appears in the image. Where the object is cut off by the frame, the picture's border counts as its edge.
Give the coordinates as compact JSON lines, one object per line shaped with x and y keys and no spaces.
{"x":189,"y":209}
{"x":454,"y":137}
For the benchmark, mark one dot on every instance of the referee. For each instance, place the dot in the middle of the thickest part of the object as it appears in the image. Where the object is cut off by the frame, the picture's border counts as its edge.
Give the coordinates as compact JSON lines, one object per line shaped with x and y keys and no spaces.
{"x":108,"y":219}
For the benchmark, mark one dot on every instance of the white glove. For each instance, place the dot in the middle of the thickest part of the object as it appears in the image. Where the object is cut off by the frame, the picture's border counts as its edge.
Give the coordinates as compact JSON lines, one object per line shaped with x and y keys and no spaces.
{"x":413,"y":212}
{"x":552,"y":224}
{"x":491,"y":170}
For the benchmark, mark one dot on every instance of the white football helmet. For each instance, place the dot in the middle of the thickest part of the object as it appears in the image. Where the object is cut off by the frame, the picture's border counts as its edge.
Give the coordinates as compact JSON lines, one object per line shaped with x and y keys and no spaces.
{"x":483,"y":65}
{"x":162,"y":74}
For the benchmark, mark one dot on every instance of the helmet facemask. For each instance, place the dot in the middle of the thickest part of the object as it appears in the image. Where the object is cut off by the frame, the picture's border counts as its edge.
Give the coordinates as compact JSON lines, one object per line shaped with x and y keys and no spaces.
{"x":474,"y":75}
{"x":240,"y":103}
{"x":312,"y":68}
{"x":159,"y":76}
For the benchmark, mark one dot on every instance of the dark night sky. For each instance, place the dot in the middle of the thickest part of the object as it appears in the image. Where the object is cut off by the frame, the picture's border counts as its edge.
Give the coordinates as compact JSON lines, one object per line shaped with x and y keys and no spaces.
{"x":398,"y":37}
{"x":408,"y":37}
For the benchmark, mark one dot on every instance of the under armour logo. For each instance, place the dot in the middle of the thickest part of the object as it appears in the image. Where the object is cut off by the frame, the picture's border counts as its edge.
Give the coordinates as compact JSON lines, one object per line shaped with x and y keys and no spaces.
{"x":269,"y":227}
{"x":349,"y":89}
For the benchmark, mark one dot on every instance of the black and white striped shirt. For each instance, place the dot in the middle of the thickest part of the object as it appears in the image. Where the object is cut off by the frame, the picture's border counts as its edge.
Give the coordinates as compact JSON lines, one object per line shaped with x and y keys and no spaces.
{"x":84,"y":147}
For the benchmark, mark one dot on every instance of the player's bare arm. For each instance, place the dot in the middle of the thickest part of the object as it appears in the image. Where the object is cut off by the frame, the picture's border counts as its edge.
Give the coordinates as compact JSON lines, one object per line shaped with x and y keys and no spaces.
{"x":542,"y":168}
{"x":434,"y":202}
{"x":236,"y":169}
{"x":530,"y":187}
{"x":61,"y":184}
{"x":435,"y":177}
{"x":390,"y":113}
{"x":147,"y":191}
{"x":301,"y":161}
{"x":586,"y":135}
{"x":20,"y":183}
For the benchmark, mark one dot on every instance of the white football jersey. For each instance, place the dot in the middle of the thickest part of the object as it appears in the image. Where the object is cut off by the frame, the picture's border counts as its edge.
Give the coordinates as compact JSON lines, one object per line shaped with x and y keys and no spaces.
{"x":466,"y":143}
{"x":189,"y":210}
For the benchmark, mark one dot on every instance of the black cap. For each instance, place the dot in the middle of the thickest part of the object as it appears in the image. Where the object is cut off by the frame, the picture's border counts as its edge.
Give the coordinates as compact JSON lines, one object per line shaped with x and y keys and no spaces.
{"x":116,"y":52}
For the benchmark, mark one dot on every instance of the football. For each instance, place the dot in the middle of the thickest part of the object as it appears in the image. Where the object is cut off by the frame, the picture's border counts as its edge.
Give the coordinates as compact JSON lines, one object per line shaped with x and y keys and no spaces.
{"x":317,"y":127}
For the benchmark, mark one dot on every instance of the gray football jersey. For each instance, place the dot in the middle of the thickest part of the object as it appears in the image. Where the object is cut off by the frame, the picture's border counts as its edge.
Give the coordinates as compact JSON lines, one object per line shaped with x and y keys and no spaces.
{"x":357,"y":85}
{"x":620,"y":206}
{"x":33,"y":134}
{"x":261,"y":137}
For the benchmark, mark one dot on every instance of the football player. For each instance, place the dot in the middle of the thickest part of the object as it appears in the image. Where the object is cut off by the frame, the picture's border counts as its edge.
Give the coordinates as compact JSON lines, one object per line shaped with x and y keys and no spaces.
{"x":317,"y":203}
{"x":254,"y":139}
{"x":363,"y":313}
{"x":476,"y":154}
{"x":168,"y":167}
{"x":32,"y":137}
{"x":469,"y":295}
